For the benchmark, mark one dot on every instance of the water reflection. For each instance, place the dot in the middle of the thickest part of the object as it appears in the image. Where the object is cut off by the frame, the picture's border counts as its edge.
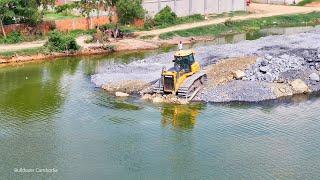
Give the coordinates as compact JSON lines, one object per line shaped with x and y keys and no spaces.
{"x":277,"y":31}
{"x":253,"y":35}
{"x":34,"y":90}
{"x":180,"y":116}
{"x":33,"y":93}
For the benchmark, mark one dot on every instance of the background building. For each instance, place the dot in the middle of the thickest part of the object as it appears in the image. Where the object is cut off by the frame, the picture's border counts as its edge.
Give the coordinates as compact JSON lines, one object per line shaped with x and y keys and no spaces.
{"x":190,"y":7}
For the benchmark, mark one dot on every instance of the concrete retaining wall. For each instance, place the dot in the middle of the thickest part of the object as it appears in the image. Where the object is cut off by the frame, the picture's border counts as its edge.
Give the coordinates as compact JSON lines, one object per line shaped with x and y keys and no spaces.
{"x":190,"y":7}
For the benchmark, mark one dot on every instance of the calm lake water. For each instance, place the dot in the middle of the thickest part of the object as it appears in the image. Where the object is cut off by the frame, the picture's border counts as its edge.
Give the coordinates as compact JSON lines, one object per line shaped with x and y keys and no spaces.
{"x":51,"y":116}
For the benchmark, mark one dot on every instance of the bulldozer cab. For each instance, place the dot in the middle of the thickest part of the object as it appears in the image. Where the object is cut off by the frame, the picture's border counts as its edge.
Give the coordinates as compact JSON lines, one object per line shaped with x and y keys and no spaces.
{"x":183,"y":60}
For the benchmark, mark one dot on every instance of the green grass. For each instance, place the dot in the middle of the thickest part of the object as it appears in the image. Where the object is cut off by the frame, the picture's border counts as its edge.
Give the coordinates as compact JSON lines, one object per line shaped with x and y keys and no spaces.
{"x":233,"y":27}
{"x":304,"y":2}
{"x":124,"y":28}
{"x":58,"y":16}
{"x":147,"y":37}
{"x":76,"y":33}
{"x":190,"y":19}
{"x":228,"y":14}
{"x":24,"y":52}
{"x":195,"y":18}
{"x":150,"y":23}
{"x":14,"y":38}
{"x":30,"y":38}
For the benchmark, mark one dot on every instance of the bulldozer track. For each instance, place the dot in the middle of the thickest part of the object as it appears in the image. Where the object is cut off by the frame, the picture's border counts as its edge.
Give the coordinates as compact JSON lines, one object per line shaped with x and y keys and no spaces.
{"x":188,"y":89}
{"x":192,"y":86}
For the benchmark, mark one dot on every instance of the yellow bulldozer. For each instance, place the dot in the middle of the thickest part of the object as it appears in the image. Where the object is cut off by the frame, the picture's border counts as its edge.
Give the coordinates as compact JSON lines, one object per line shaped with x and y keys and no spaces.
{"x":185,"y":79}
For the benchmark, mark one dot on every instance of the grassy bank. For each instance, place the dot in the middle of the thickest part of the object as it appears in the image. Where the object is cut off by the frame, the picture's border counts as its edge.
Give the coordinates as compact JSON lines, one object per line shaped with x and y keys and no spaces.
{"x":149,"y":24}
{"x":24,"y":52}
{"x":304,"y":2}
{"x":16,"y":37}
{"x":233,"y":27}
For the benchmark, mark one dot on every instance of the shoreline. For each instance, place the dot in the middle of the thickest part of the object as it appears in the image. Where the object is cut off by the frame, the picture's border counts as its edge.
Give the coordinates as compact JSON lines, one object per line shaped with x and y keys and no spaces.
{"x":43,"y":57}
{"x":123,"y":45}
{"x":189,"y":36}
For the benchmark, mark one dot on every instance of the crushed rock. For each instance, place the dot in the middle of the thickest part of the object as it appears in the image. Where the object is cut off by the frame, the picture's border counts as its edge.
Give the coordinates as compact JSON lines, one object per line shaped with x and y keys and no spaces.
{"x":158,"y":98}
{"x":291,"y":57}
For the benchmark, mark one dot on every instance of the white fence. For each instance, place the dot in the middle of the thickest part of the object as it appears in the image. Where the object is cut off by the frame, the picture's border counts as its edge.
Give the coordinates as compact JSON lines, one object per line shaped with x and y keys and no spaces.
{"x":190,"y":7}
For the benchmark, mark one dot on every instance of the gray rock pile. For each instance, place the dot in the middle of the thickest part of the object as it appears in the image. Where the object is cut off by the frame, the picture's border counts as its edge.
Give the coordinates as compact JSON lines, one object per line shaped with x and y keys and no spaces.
{"x":285,"y":58}
{"x":285,"y":67}
{"x":311,"y":57}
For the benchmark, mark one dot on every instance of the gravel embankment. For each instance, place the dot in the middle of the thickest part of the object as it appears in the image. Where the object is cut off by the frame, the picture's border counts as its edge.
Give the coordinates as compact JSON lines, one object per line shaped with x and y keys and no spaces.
{"x":280,"y":52}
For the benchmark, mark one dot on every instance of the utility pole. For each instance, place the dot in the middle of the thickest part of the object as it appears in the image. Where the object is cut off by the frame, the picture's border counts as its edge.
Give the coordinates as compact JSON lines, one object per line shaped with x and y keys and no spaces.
{"x":190,"y":7}
{"x":205,"y":7}
{"x":233,"y":6}
{"x":175,"y":6}
{"x":159,"y":5}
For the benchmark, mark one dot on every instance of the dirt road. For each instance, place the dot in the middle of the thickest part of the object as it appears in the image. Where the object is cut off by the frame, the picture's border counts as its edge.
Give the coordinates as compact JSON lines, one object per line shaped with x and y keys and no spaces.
{"x":256,"y":11}
{"x":21,"y":46}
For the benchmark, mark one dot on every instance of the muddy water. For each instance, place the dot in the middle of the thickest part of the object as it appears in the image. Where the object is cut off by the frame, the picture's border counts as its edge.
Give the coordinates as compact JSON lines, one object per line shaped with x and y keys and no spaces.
{"x":51,"y":116}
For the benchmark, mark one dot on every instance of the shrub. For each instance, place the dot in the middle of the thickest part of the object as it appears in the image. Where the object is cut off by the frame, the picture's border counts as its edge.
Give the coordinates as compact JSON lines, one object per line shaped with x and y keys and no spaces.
{"x":110,"y":48}
{"x":129,"y":10}
{"x":108,"y":26}
{"x":229,"y":22}
{"x":12,"y":38}
{"x":165,"y":17}
{"x":60,"y":42}
{"x":304,"y":2}
{"x":149,"y":23}
{"x":124,"y":29}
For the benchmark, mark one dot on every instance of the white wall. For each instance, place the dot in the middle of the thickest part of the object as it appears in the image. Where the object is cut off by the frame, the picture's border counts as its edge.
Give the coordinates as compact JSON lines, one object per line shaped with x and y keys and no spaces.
{"x":189,"y":7}
{"x":286,"y":2}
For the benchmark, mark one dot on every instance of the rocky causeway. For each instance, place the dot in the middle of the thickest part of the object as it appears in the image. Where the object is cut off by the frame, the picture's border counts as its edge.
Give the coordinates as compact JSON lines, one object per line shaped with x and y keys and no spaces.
{"x":284,"y":65}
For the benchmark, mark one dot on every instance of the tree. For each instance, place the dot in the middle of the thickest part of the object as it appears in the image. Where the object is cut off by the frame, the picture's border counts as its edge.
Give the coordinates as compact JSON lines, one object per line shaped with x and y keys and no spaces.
{"x":129,"y":10}
{"x":18,"y":11}
{"x":165,"y":17}
{"x":86,"y":8}
{"x":7,"y":8}
{"x":89,"y":6}
{"x":27,"y":12}
{"x":111,"y":3}
{"x":44,"y":4}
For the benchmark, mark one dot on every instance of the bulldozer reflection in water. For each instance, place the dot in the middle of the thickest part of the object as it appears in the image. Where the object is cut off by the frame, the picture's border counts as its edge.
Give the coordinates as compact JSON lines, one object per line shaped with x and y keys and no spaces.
{"x":181,"y":116}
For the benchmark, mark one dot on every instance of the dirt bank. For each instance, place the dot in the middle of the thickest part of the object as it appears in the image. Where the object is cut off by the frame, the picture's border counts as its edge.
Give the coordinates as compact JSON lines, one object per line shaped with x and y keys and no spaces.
{"x":221,"y":60}
{"x":313,"y":4}
{"x":120,"y":45}
{"x":40,"y":57}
